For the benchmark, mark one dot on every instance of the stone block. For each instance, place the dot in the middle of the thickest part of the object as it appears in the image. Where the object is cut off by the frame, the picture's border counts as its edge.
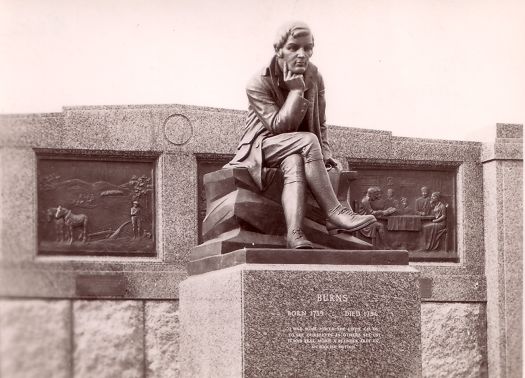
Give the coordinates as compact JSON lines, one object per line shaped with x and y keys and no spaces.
{"x":211,"y":325}
{"x":178,"y":207}
{"x":35,"y":338}
{"x":162,"y":339}
{"x":360,"y":143}
{"x":17,"y":197}
{"x":301,"y":320}
{"x":416,"y":149}
{"x":470,"y":214}
{"x":108,"y":339}
{"x":32,"y":130}
{"x":454,"y":340}
{"x":214,"y":130}
{"x":108,"y":128}
{"x":503,"y":206}
{"x":511,"y":149}
{"x":508,"y":144}
{"x":509,"y":130}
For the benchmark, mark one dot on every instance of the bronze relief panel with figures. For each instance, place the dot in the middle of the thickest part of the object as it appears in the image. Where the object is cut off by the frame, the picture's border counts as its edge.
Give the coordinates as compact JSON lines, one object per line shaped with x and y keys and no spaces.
{"x":96,"y":204}
{"x":415,"y":208}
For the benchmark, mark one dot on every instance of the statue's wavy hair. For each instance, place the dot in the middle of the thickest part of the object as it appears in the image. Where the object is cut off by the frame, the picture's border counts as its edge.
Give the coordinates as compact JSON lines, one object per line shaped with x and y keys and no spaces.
{"x":294,"y":28}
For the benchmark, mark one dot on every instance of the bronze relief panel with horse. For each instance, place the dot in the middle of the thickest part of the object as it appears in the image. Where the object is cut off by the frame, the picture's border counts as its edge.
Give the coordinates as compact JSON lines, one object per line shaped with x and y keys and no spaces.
{"x":96,"y":205}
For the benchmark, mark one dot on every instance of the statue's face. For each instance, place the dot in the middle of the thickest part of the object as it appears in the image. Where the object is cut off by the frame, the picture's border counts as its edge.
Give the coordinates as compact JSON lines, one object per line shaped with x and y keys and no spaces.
{"x":296,"y":53}
{"x":424,"y":192}
{"x":390,"y":193}
{"x":434,"y":198}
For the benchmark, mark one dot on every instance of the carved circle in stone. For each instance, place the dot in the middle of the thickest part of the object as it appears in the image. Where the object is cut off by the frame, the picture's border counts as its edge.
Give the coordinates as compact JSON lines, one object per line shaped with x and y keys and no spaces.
{"x":178,"y":129}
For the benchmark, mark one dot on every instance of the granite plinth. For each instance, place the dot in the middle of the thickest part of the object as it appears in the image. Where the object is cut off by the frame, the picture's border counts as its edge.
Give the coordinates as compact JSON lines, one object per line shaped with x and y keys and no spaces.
{"x":304,"y":320}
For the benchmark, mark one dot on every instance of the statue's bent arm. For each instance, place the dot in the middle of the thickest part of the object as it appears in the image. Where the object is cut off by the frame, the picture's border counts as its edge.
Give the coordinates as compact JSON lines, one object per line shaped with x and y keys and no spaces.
{"x":277,"y":120}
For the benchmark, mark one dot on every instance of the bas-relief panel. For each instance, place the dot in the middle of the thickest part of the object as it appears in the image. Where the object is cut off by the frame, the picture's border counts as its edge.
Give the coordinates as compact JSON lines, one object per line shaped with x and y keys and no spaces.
{"x":415,"y":208}
{"x":96,"y":205}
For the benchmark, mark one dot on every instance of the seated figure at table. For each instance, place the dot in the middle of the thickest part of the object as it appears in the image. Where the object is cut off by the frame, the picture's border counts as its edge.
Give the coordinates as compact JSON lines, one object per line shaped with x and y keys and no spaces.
{"x":423,"y":202}
{"x":437,"y":229}
{"x":390,"y":200}
{"x":404,"y":208}
{"x":371,"y":204}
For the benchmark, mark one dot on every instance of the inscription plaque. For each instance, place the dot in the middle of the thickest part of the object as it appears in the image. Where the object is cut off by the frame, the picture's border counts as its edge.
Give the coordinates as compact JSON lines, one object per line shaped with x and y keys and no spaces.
{"x":98,"y":204}
{"x":101,"y":285}
{"x":361,"y":324}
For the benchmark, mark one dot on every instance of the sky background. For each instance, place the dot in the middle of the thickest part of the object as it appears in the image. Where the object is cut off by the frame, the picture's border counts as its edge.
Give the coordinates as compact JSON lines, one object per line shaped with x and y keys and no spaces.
{"x":447,"y":69}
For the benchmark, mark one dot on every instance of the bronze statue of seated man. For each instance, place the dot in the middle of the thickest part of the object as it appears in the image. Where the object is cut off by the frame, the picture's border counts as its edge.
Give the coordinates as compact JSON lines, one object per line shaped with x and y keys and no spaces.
{"x":286,"y":129}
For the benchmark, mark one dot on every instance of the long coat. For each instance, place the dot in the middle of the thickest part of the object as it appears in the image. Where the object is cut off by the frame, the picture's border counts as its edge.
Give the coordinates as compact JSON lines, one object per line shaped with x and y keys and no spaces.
{"x":272,"y":111}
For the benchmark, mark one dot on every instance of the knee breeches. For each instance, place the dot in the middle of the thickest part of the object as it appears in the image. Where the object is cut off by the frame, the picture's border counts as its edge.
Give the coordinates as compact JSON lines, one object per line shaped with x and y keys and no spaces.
{"x":290,"y":151}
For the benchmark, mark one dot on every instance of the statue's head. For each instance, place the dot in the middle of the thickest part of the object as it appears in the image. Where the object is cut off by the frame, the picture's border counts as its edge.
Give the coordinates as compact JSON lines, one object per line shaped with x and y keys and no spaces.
{"x":293,"y":45}
{"x":424,"y":192}
{"x":390,"y":193}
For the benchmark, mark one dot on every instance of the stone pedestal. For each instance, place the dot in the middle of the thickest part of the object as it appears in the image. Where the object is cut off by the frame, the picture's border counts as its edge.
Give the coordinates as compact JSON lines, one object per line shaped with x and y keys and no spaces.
{"x":503,"y":201}
{"x":261,"y":318}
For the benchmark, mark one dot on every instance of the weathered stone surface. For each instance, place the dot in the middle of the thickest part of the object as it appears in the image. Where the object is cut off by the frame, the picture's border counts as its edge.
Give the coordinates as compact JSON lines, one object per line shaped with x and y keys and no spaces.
{"x":35,"y":338}
{"x":503,"y":197}
{"x":453,"y":340}
{"x":418,"y":149}
{"x":108,"y":339}
{"x":302,"y":320}
{"x":360,"y":143}
{"x":470,"y":215}
{"x":108,"y":128}
{"x":510,"y":149}
{"x":178,"y":129}
{"x":48,"y":279}
{"x":17,"y":198}
{"x":178,"y":201}
{"x":31,"y":130}
{"x":211,"y":325}
{"x":509,"y":130}
{"x":512,"y":236}
{"x":162,"y":339}
{"x":214,"y":130}
{"x":508,"y":144}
